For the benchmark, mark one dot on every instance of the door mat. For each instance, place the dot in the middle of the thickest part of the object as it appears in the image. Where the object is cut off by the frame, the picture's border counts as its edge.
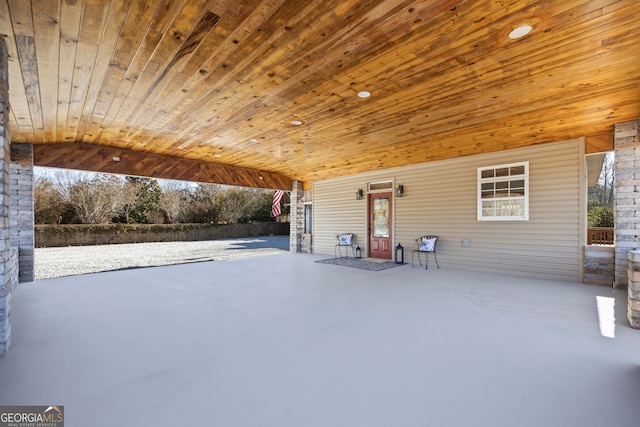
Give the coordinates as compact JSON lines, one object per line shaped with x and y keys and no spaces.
{"x":361,"y":263}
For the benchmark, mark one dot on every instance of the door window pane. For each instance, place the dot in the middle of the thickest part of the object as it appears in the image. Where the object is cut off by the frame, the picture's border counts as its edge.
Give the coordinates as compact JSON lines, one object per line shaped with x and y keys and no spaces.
{"x":381,"y":217}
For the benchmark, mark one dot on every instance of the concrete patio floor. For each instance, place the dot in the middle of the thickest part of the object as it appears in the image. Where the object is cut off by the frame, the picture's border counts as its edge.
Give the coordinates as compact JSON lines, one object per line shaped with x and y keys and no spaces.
{"x":284,"y":341}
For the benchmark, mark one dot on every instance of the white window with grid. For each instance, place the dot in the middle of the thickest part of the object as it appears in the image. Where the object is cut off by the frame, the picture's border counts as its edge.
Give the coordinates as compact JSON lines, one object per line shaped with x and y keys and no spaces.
{"x":503,"y":192}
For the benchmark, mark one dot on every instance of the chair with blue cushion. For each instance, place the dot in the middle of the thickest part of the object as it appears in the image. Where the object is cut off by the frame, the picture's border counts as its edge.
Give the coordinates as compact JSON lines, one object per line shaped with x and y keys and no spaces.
{"x":345,"y":240}
{"x":426,"y":245}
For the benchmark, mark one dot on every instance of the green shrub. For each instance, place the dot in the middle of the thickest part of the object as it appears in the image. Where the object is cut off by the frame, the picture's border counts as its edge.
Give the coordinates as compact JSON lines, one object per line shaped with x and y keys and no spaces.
{"x":600,"y":216}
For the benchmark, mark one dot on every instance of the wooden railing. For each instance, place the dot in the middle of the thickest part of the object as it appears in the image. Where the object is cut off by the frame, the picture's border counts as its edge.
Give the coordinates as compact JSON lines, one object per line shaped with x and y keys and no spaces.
{"x":600,"y":236}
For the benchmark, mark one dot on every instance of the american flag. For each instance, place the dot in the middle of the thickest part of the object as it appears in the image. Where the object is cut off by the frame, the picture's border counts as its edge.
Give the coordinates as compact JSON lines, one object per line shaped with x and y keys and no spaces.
{"x":275,"y":206}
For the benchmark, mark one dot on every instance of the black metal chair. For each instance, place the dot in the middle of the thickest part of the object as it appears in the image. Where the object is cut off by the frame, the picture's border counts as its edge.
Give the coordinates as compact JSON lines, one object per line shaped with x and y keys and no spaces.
{"x":345,"y":240}
{"x":426,"y":245}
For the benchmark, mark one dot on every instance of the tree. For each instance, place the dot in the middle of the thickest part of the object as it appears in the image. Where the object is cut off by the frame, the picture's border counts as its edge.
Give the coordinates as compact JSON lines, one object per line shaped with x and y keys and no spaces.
{"x":48,"y":206}
{"x":174,"y":200}
{"x":602,"y":194}
{"x":236,"y":205}
{"x":608,"y":179}
{"x":262,"y":212}
{"x":98,"y":200}
{"x":202,"y":208}
{"x":171,"y":205}
{"x":130,"y":196}
{"x":147,"y":202}
{"x":76,"y":197}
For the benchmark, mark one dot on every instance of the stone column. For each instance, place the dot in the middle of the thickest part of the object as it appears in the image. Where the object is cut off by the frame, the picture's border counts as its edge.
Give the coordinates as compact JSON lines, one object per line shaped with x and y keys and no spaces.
{"x":297,"y":217}
{"x":7,"y":255}
{"x":633,"y":310}
{"x":21,"y":214}
{"x":627,"y":198}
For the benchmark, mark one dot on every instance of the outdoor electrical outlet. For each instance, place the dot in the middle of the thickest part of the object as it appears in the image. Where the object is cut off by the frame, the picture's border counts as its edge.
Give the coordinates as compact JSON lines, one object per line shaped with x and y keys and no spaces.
{"x":466,"y":243}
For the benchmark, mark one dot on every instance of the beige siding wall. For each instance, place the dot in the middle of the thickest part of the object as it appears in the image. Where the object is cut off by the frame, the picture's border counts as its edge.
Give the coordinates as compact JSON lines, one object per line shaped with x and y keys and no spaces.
{"x":440,"y":198}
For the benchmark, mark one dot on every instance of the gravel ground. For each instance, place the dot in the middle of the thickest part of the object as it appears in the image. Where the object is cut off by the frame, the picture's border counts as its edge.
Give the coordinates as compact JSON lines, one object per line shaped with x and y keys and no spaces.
{"x":71,"y":260}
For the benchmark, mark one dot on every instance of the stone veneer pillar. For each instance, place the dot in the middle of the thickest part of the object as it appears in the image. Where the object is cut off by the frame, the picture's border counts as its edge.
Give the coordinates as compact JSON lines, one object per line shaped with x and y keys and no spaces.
{"x":8,"y":255}
{"x":627,"y":196}
{"x":21,"y":213}
{"x":633,"y":309}
{"x":296,"y":217}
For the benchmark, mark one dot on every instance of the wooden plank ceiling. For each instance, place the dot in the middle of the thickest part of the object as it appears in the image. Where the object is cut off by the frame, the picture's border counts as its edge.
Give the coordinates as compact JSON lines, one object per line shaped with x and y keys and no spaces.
{"x":207,"y":90}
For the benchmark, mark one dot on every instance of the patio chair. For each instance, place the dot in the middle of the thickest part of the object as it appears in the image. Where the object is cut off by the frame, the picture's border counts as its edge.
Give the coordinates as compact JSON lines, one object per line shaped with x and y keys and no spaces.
{"x":345,"y":240}
{"x":426,"y":245}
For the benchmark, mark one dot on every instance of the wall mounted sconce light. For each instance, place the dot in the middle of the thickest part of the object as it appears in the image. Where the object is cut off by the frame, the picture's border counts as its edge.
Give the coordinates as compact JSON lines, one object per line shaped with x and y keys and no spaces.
{"x":359,"y":194}
{"x":400,"y":190}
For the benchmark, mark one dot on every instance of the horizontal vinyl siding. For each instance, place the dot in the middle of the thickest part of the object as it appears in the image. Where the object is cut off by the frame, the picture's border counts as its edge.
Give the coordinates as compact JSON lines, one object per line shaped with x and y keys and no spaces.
{"x":440,"y":198}
{"x":335,"y":211}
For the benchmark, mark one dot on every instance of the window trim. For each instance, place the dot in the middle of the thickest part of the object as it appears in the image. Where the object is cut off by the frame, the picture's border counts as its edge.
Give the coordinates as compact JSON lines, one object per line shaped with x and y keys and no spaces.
{"x":380,"y":186}
{"x":508,"y":178}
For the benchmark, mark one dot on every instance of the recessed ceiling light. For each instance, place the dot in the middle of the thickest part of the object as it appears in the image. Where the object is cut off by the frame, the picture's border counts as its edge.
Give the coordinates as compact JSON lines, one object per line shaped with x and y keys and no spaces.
{"x":217,"y":155}
{"x":253,"y":140}
{"x":520,"y":31}
{"x":116,"y":158}
{"x":364,"y":94}
{"x":296,"y":122}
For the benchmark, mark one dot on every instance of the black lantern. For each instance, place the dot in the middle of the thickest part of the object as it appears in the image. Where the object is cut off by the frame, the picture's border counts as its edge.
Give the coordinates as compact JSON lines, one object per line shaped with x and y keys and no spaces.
{"x":399,"y":254}
{"x":358,"y":252}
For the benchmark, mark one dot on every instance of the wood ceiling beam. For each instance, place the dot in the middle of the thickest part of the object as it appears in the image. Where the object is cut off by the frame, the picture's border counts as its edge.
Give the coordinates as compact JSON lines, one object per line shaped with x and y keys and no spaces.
{"x":94,"y":158}
{"x":599,"y":143}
